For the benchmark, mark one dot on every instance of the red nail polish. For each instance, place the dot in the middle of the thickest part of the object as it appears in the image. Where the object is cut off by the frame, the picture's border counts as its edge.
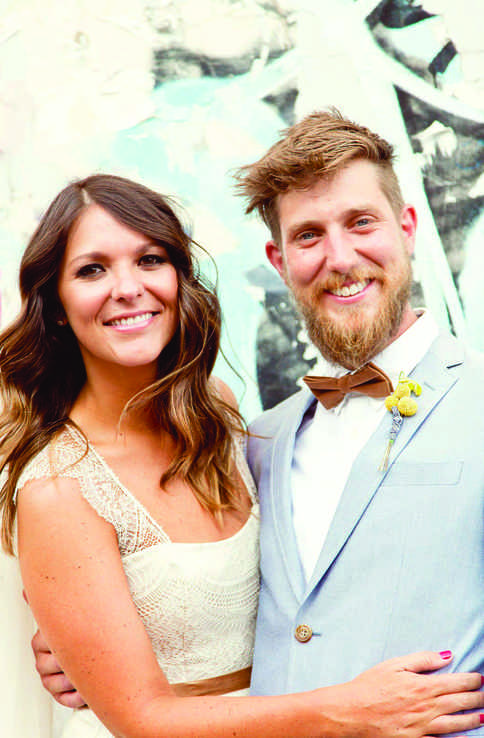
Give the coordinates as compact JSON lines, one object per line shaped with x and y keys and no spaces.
{"x":482,"y":681}
{"x":445,"y":654}
{"x":481,"y":718}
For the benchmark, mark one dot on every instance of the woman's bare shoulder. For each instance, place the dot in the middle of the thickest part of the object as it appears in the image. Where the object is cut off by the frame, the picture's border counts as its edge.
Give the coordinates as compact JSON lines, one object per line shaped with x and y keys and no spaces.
{"x":225,"y":392}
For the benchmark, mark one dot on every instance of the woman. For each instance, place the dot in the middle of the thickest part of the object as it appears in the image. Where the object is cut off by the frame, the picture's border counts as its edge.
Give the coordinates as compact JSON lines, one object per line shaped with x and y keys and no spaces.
{"x":137,"y":520}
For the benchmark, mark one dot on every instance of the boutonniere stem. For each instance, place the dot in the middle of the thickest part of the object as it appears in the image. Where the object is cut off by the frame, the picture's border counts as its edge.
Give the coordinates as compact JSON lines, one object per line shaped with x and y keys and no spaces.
{"x":397,"y":421}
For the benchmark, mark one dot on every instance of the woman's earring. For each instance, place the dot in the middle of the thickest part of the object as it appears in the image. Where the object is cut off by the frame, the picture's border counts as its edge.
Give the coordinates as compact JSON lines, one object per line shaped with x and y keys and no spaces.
{"x":61,"y":322}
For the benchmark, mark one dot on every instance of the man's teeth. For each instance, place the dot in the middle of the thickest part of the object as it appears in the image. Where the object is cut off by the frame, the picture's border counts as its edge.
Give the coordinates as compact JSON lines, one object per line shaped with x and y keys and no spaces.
{"x":131,"y":320}
{"x":352,"y":289}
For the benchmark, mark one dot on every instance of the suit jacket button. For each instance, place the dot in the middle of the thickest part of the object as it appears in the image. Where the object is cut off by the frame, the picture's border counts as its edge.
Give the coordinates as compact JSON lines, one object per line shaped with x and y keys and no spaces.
{"x":303,"y":633}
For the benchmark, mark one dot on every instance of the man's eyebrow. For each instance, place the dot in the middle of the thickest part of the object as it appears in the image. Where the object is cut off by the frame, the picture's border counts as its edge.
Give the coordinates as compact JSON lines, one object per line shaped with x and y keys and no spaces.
{"x":303,"y":225}
{"x":360,"y":210}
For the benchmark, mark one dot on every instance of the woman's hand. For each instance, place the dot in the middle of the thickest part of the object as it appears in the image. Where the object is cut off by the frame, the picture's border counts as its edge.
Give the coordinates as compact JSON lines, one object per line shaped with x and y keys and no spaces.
{"x":396,"y":698}
{"x":393,"y":698}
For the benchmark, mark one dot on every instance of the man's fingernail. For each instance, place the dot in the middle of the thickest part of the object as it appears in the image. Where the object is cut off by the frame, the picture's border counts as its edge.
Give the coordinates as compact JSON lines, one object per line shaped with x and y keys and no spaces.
{"x":445,"y":654}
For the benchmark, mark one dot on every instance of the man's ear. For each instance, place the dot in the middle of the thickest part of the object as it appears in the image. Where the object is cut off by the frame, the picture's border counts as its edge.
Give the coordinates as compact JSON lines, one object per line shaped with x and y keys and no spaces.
{"x":408,"y":224}
{"x":274,"y":254}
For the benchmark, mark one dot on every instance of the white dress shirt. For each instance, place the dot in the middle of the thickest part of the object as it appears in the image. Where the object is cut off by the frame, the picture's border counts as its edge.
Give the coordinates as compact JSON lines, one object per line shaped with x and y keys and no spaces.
{"x":328,"y":442}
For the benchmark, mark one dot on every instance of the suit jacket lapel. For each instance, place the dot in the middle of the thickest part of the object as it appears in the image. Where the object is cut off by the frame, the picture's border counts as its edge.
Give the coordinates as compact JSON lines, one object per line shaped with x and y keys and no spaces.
{"x":281,"y":495}
{"x":365,"y":480}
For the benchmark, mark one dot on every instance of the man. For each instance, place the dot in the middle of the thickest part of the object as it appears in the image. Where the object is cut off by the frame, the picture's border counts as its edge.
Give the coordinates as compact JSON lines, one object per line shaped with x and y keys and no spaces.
{"x":361,"y":559}
{"x":358,"y":564}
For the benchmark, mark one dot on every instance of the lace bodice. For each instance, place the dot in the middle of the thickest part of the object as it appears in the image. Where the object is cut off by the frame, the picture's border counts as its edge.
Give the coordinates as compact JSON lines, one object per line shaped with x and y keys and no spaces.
{"x":197,"y":600}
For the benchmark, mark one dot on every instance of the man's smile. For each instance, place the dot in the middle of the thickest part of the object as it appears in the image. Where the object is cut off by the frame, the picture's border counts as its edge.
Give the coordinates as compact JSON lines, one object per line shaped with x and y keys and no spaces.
{"x":349,"y":290}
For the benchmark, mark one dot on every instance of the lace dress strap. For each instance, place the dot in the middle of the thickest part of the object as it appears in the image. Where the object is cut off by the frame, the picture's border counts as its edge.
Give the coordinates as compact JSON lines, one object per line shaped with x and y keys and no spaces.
{"x":240,"y":444}
{"x":69,"y":456}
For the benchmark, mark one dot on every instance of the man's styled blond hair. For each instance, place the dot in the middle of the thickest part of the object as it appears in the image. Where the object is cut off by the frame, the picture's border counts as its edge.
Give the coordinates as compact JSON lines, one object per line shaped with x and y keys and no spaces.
{"x":319,"y":146}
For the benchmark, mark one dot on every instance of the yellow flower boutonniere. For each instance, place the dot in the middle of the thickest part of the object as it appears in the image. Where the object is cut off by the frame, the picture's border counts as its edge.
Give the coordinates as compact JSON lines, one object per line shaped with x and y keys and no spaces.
{"x":400,"y":404}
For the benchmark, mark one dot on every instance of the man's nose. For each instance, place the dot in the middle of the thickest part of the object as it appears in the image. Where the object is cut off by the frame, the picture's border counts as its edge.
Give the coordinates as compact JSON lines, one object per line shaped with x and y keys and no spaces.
{"x":126,"y":285}
{"x":339,"y":252}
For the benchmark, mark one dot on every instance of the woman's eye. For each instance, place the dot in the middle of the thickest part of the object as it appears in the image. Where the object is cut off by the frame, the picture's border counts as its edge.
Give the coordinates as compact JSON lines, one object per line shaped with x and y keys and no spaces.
{"x":89,"y":270}
{"x":152,"y":260}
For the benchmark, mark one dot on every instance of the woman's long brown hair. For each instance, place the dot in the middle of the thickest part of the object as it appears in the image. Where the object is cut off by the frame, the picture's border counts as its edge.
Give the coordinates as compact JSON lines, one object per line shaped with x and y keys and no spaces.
{"x":42,"y":372}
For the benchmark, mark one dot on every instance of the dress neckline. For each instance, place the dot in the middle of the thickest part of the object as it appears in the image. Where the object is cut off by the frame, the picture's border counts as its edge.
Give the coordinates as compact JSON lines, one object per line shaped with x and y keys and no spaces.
{"x":77,"y":435}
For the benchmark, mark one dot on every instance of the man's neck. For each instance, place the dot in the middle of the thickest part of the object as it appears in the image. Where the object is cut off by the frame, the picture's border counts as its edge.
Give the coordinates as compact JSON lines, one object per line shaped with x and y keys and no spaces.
{"x":408,"y":319}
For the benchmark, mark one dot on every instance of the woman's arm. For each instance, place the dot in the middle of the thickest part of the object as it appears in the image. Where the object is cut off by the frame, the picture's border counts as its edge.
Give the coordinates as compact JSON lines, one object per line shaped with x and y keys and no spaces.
{"x":78,"y":591}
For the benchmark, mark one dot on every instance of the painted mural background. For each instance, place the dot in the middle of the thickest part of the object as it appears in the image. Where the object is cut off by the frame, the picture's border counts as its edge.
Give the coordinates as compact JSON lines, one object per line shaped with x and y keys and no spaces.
{"x":177,"y":93}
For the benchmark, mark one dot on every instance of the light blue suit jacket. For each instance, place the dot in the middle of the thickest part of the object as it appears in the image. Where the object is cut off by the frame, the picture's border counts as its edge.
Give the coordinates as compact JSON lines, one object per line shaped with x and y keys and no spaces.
{"x":402,"y":567}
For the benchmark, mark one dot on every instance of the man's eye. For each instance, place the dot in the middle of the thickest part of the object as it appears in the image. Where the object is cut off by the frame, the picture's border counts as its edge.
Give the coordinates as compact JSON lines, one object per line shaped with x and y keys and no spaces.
{"x":152,"y":260}
{"x":90,"y":270}
{"x":307,"y":235}
{"x":362,"y":222}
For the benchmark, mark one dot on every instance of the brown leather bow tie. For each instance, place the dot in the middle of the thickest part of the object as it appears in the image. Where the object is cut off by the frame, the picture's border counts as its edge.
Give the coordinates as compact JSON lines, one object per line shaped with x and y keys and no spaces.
{"x":369,"y":380}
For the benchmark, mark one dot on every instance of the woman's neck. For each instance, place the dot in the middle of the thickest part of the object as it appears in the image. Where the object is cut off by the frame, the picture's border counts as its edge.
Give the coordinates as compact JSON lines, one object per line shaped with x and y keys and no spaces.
{"x":99,"y":408}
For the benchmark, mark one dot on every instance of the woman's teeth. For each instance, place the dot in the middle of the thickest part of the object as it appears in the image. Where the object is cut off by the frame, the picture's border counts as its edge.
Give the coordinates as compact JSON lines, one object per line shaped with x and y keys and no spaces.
{"x":131,"y":320}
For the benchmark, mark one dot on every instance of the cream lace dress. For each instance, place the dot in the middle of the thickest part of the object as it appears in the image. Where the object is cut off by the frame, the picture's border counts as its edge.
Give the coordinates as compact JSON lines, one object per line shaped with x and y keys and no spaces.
{"x":197,"y":601}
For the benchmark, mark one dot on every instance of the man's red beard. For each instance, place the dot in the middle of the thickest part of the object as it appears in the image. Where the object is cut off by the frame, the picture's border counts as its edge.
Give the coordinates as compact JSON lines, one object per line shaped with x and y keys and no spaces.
{"x":355,"y":341}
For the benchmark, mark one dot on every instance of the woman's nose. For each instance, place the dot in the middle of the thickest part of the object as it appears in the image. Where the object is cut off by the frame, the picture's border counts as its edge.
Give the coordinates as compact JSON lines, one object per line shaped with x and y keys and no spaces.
{"x":127,"y":285}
